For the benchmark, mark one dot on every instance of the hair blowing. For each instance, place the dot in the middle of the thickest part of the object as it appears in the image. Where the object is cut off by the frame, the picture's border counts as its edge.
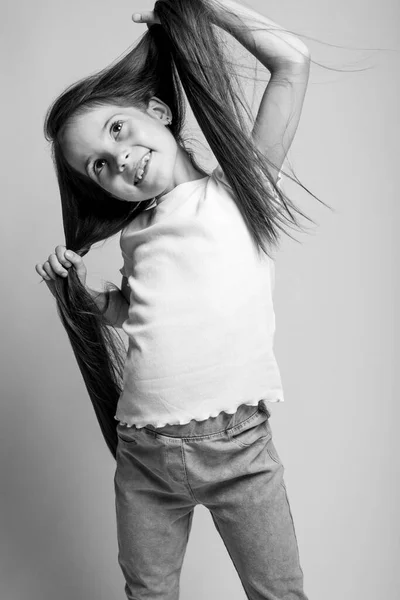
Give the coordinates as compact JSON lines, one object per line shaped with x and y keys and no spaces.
{"x":182,"y":55}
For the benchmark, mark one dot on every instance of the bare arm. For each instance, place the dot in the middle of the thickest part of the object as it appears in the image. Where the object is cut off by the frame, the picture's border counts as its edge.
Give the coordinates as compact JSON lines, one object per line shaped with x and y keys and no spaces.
{"x":271,"y":44}
{"x":125,"y":289}
{"x":58,"y":265}
{"x":288,"y":60}
{"x":117,"y":311}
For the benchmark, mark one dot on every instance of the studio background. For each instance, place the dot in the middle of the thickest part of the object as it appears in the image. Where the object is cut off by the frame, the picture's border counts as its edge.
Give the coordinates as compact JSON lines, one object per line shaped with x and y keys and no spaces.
{"x":334,"y":298}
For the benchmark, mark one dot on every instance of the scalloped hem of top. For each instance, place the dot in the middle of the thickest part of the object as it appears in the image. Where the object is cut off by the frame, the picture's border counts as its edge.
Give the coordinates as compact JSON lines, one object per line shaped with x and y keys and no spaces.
{"x":210,"y":416}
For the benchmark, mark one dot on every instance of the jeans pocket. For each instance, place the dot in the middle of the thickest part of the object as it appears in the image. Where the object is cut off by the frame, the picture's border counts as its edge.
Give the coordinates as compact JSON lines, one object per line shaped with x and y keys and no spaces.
{"x":270,"y":447}
{"x":250,"y":431}
{"x":272,"y":451}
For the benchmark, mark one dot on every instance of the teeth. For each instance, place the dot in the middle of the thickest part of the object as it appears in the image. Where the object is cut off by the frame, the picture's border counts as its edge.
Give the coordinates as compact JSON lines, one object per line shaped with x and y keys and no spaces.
{"x":140,"y":171}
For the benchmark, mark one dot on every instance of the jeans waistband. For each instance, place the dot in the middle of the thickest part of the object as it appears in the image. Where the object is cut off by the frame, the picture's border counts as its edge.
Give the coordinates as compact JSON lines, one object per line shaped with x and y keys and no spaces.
{"x":212,"y":425}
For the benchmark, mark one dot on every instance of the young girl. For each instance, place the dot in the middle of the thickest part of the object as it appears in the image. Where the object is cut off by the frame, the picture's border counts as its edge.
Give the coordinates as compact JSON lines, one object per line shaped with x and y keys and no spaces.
{"x":184,"y":411}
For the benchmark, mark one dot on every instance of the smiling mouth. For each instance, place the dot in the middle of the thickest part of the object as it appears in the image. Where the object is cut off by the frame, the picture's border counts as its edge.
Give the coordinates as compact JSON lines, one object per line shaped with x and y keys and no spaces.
{"x":142,"y":169}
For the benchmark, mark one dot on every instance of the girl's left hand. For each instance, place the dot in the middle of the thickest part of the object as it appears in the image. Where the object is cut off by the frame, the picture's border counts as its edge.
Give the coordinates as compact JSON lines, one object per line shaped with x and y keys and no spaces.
{"x":148,"y":17}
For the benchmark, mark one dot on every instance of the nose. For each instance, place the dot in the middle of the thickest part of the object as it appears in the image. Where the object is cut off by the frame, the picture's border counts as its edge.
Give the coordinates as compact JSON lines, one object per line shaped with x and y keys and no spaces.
{"x":122,"y":160}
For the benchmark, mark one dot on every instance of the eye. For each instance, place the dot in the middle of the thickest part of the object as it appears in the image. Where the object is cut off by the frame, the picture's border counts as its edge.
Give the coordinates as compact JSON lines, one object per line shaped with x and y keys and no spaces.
{"x":116,"y":127}
{"x":96,"y":164}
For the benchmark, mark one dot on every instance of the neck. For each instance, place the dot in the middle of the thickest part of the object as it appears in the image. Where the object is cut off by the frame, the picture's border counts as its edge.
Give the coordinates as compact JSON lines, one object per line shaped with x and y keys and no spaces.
{"x":184,"y":171}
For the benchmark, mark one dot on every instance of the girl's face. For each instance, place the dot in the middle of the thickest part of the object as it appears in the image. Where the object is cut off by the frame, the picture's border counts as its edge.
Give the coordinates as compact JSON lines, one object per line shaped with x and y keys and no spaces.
{"x":108,"y":144}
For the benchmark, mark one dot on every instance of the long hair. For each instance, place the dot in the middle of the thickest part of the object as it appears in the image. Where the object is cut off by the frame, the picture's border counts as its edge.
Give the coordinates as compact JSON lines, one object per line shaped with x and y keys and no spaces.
{"x":181,"y":56}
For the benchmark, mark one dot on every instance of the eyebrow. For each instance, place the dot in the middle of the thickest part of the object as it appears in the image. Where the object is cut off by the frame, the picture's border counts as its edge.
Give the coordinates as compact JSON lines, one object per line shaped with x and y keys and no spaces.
{"x":88,"y":160}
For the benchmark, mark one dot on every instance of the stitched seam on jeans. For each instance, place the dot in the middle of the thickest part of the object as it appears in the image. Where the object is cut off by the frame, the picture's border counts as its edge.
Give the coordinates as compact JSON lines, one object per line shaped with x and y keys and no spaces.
{"x":200,"y":437}
{"x":191,"y":437}
{"x":273,"y":457}
{"x":186,"y":475}
{"x":196,"y":437}
{"x":294,"y":529}
{"x":241,"y":445}
{"x":238,"y":425}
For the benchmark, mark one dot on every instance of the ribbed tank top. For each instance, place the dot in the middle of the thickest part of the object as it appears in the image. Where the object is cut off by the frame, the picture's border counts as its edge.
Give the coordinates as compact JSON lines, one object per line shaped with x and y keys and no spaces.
{"x":201,"y":320}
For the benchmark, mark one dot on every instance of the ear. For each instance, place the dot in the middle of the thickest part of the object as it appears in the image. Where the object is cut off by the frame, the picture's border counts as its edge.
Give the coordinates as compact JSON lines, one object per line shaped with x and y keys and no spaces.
{"x":158,"y":109}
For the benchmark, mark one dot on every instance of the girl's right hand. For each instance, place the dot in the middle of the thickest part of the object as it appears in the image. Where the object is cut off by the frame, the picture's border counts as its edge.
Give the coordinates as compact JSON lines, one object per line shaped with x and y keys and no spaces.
{"x":58,"y":264}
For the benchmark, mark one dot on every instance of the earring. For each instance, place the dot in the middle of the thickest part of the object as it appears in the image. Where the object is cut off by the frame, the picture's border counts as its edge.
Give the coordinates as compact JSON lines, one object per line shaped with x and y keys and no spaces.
{"x":169,"y":120}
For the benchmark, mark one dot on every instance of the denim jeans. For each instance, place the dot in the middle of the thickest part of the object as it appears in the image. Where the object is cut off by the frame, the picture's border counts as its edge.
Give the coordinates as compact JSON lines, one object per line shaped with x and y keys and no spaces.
{"x":230,"y":465}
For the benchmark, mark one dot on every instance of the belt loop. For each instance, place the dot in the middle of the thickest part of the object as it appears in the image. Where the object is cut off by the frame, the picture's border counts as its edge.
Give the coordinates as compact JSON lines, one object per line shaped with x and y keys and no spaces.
{"x":262,"y":405}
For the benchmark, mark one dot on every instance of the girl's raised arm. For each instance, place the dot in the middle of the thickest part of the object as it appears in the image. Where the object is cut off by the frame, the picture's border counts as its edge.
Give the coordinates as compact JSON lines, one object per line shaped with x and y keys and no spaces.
{"x":288,"y":60}
{"x":284,"y":55}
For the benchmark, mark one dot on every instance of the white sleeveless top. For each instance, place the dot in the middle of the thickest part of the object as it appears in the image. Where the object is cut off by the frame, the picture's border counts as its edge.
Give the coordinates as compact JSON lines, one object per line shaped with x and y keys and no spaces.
{"x":201,"y":320}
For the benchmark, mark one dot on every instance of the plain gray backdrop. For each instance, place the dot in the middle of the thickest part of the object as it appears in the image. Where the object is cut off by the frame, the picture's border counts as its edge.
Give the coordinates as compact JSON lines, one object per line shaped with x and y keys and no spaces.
{"x":335,"y":301}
